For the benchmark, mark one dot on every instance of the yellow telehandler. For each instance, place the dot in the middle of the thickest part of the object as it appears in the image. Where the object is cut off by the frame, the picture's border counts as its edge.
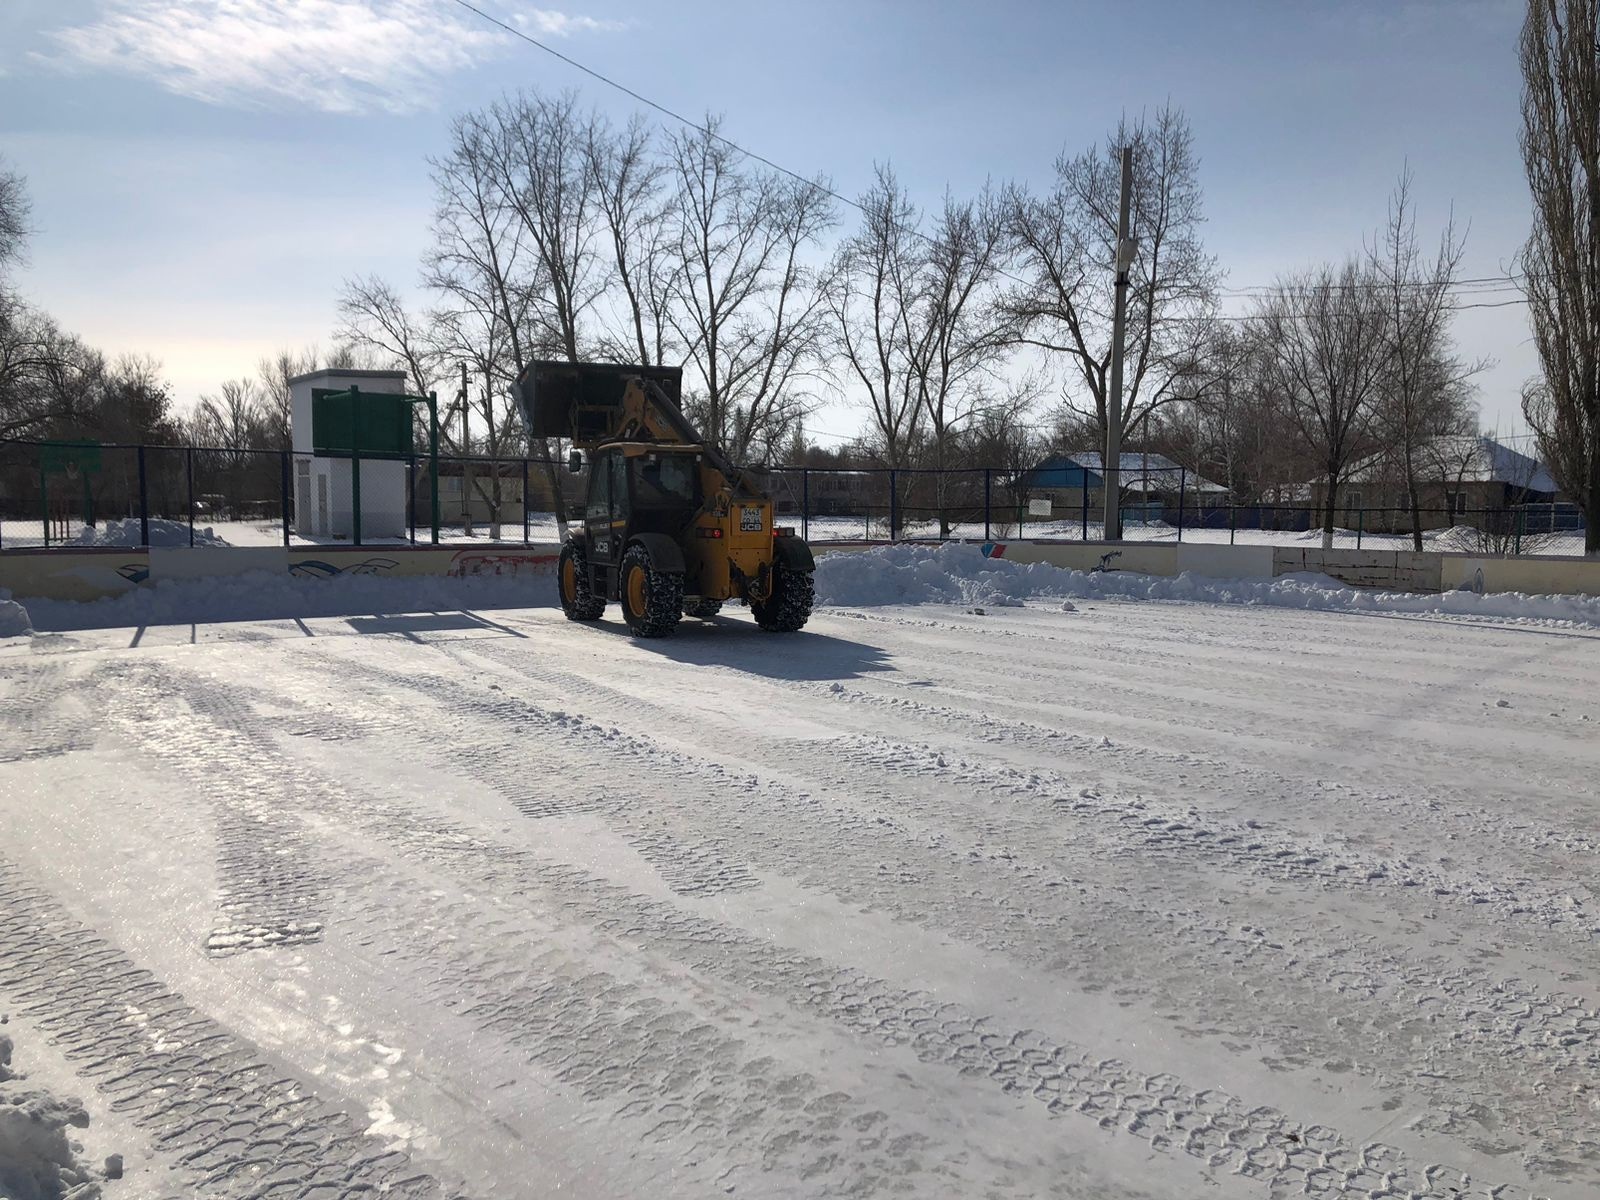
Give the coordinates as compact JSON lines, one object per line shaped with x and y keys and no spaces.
{"x":670,"y":527}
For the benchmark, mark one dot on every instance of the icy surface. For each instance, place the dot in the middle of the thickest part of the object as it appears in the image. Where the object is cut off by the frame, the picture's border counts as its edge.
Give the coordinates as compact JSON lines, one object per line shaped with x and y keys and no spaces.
{"x":1127,"y":900}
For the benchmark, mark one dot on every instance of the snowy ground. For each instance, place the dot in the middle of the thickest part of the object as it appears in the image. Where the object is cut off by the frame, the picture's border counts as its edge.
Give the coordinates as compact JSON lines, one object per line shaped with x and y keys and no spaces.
{"x":542,"y":528}
{"x":1137,"y":900}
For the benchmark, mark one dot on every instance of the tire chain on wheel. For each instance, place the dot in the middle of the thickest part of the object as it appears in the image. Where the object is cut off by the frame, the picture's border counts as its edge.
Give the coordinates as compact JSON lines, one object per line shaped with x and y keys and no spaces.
{"x":704,"y":609}
{"x":663,"y":602}
{"x":586,"y":606}
{"x":794,"y":592}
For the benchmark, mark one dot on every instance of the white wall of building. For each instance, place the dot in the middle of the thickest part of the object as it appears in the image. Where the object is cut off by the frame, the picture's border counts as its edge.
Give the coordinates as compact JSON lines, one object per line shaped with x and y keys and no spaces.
{"x":322,"y":486}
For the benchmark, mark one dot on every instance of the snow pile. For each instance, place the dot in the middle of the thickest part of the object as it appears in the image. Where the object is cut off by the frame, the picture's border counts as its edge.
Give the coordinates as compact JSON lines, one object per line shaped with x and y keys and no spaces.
{"x":14,"y":620}
{"x":126,"y":532}
{"x":949,"y":573}
{"x":36,"y":1159}
{"x":953,"y":573}
{"x":265,"y":596}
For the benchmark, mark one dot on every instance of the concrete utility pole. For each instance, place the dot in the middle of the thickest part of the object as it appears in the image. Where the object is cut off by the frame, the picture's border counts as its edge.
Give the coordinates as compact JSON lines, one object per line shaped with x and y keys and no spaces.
{"x":466,"y":461}
{"x":1111,"y":473}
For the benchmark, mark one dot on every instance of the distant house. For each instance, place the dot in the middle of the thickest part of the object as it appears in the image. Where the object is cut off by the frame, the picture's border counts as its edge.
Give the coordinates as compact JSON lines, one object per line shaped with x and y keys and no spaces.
{"x":1456,"y":476}
{"x":1150,"y":481}
{"x":822,"y":491}
{"x":458,"y":494}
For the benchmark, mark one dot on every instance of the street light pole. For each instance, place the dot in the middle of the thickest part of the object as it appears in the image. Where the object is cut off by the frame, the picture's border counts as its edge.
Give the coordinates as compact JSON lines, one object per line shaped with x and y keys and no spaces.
{"x":1112,"y":474}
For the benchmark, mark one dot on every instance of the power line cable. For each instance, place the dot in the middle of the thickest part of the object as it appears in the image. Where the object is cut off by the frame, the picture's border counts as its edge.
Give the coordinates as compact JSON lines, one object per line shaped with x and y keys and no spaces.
{"x":816,"y":184}
{"x":1476,"y":285}
{"x":1242,"y":292}
{"x":663,"y":109}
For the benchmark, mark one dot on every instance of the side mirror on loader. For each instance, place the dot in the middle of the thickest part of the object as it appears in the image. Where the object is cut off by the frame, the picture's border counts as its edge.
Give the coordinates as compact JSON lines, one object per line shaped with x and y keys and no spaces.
{"x":575,"y":462}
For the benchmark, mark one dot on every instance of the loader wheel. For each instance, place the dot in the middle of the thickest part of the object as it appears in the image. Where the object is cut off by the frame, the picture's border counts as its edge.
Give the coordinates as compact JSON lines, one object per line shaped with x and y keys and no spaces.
{"x":789,"y":607}
{"x":578,"y":600}
{"x":704,"y":609}
{"x":652,"y":600}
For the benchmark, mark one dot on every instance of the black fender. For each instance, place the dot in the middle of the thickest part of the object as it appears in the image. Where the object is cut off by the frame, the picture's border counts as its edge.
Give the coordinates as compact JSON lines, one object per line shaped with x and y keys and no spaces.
{"x":665,"y":554}
{"x":793,"y":554}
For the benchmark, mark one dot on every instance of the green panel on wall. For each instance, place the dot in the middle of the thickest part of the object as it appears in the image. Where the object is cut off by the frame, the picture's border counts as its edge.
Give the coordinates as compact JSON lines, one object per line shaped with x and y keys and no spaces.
{"x":385,"y":425}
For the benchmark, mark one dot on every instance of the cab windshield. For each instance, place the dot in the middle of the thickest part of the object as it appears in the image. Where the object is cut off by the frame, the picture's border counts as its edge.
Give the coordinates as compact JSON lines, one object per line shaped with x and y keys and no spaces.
{"x":667,"y":480}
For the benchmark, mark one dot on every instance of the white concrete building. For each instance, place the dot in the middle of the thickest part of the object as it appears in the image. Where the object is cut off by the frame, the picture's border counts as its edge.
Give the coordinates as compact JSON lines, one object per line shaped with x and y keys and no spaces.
{"x":322,"y":503}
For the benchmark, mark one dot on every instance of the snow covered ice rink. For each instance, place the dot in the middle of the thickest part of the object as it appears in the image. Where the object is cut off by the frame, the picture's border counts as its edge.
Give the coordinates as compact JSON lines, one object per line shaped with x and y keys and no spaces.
{"x":1142,"y":899}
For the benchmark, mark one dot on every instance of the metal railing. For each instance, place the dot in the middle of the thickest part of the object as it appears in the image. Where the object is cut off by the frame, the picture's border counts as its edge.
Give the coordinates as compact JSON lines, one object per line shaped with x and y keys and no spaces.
{"x":142,"y":495}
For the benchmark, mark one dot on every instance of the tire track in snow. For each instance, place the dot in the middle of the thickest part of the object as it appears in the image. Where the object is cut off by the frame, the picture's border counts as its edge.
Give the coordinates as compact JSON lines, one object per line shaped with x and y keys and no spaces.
{"x":681,"y":1081}
{"x":1137,"y":828}
{"x":268,"y":897}
{"x":1472,"y":1022}
{"x":37,"y":723}
{"x":202,"y":1091}
{"x":1123,"y":688}
{"x":663,"y":1068}
{"x":527,"y":719}
{"x":1133,"y":763}
{"x":1208,"y":1124}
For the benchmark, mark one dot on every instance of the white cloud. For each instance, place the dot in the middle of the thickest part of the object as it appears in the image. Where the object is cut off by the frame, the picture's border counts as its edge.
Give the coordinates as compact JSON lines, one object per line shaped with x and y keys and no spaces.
{"x":551,"y":23}
{"x":342,"y":56}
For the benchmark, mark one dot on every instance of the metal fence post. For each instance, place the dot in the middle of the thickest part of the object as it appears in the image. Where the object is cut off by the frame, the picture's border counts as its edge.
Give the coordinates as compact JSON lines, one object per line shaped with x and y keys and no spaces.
{"x":1361,"y":524}
{"x":988,"y":488}
{"x":524,"y":501}
{"x":144,"y":501}
{"x":1183,"y":478}
{"x":44,"y":500}
{"x":355,"y":464}
{"x":411,"y":498}
{"x":894,"y":502}
{"x":805,"y":503}
{"x":188,"y":474}
{"x":1083,"y":476}
{"x":1516,"y":541}
{"x":283,"y":492}
{"x":1233,"y":518}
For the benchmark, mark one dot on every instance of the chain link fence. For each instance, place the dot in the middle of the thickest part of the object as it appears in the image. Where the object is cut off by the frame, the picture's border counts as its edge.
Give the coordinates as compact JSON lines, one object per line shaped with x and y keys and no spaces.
{"x":55,"y":494}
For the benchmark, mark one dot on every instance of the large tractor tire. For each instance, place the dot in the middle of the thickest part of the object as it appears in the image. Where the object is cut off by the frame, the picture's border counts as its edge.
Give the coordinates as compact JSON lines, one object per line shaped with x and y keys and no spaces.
{"x":578,"y":600}
{"x":789,"y":606}
{"x":652,"y":600}
{"x":704,"y":609}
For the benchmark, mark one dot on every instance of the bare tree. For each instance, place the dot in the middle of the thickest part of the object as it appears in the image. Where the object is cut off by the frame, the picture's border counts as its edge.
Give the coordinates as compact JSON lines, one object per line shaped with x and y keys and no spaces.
{"x":1423,"y":394}
{"x":1322,"y":335}
{"x":965,"y":332}
{"x":628,"y":182}
{"x":488,"y":280}
{"x":748,"y":309}
{"x":872,"y":297}
{"x":375,"y":318}
{"x":1064,"y":243}
{"x":543,"y":166}
{"x":1560,"y":54}
{"x":14,"y":210}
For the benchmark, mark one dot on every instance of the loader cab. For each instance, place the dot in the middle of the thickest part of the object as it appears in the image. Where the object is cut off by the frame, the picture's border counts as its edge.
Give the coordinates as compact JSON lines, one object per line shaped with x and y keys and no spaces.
{"x":638,"y":488}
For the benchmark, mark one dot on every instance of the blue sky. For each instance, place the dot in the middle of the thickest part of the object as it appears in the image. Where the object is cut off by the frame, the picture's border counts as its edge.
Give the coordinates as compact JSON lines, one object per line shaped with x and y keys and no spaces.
{"x":205,"y":172}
